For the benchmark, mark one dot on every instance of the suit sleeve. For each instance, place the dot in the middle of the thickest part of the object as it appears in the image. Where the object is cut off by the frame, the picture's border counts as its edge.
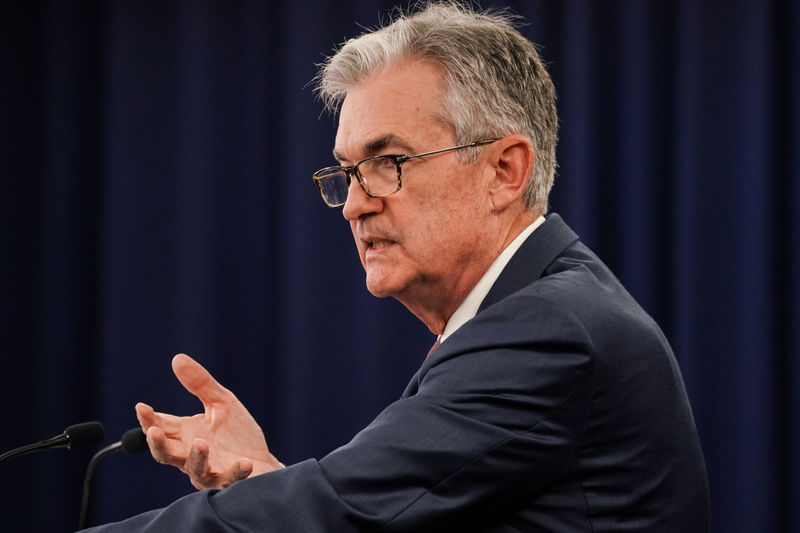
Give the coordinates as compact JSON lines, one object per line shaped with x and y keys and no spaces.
{"x":499,"y":409}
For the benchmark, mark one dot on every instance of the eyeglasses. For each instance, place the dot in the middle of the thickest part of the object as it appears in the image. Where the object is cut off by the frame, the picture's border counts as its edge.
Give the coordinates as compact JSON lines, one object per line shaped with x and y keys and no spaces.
{"x":378,"y":176}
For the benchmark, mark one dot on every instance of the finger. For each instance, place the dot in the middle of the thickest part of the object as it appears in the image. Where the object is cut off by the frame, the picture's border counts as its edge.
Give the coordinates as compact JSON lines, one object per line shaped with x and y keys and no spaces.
{"x":198,"y":380}
{"x":196,"y":465}
{"x":164,"y":450}
{"x":241,"y":470}
{"x":147,"y":417}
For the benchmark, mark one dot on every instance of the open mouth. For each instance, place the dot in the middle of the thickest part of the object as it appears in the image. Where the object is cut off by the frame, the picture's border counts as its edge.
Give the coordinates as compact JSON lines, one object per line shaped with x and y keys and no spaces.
{"x":378,"y":244}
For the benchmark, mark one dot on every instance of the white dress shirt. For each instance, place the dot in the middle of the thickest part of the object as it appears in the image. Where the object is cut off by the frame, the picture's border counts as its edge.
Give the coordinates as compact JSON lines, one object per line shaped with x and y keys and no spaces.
{"x":469,"y":307}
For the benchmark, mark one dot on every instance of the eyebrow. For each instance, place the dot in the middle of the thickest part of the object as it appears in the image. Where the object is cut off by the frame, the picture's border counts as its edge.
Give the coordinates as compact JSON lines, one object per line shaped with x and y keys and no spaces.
{"x":373,"y":147}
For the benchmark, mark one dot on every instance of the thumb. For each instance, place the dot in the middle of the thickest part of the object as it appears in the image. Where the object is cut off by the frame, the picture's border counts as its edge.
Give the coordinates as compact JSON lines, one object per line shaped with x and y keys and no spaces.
{"x":198,"y":381}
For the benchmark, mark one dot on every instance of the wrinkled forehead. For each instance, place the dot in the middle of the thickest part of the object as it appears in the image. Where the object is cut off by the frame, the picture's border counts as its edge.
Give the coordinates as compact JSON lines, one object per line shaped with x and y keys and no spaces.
{"x":398,"y":104}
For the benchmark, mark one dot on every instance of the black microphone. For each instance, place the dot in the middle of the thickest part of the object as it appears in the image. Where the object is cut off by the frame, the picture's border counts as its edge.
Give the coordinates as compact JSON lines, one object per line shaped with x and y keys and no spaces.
{"x":74,"y":438}
{"x":132,"y":441}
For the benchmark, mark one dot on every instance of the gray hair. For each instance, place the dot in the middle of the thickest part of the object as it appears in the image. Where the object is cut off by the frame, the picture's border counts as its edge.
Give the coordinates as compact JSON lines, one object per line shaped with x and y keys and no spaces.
{"x":496,"y":84}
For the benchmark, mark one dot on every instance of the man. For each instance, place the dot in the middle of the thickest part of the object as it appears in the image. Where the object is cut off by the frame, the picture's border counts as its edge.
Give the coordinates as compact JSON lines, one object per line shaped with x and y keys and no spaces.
{"x":552,"y":402}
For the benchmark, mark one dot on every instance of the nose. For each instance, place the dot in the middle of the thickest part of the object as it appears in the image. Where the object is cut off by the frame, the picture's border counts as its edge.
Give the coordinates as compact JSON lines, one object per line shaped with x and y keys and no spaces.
{"x":359,"y":203}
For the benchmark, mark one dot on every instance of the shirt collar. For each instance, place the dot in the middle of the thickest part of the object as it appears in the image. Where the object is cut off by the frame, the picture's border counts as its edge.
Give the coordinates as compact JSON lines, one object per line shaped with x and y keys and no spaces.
{"x":469,"y":307}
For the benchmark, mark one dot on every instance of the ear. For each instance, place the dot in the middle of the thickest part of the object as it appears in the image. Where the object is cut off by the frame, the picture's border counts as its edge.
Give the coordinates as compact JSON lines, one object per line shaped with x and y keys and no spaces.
{"x":511,"y":161}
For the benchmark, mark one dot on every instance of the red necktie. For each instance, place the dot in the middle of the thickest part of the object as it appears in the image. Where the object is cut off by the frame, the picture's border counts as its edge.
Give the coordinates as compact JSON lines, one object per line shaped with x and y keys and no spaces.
{"x":435,"y":345}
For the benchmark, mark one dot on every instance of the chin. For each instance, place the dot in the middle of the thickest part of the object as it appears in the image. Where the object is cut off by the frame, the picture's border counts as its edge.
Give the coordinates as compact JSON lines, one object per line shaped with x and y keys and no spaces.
{"x":380,"y":286}
{"x":378,"y":291}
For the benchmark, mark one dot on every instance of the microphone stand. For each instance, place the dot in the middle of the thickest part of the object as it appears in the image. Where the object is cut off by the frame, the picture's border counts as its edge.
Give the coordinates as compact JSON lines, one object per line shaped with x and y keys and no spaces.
{"x":87,"y":481}
{"x":74,"y":437}
{"x":54,"y":442}
{"x":132,"y":441}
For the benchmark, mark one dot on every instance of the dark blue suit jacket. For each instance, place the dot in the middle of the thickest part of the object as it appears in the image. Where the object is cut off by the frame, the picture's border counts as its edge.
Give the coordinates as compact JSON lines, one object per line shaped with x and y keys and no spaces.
{"x":558,"y":408}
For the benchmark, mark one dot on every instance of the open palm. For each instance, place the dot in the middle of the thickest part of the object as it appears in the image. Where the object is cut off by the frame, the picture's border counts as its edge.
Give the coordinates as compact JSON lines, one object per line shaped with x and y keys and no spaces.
{"x":215,"y":448}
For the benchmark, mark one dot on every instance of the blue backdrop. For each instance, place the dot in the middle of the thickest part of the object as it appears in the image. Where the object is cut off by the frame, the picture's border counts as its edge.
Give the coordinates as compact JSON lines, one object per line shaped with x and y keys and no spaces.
{"x":155,"y":198}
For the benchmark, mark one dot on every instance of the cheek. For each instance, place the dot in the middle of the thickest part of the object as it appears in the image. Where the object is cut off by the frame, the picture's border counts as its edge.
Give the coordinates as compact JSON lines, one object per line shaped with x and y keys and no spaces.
{"x":457,"y":233}
{"x":430,"y":240}
{"x":459,"y":212}
{"x":443,"y":221}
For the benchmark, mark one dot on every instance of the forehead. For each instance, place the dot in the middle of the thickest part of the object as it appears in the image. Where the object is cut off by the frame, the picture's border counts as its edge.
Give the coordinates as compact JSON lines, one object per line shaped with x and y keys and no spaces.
{"x":400,"y":102}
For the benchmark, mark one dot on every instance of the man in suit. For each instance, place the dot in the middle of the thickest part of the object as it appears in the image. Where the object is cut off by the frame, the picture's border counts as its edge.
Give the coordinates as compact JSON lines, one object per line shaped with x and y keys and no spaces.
{"x":552,"y":401}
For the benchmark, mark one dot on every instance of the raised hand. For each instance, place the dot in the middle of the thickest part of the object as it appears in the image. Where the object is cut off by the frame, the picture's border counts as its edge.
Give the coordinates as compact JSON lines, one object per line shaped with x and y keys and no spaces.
{"x":215,"y":448}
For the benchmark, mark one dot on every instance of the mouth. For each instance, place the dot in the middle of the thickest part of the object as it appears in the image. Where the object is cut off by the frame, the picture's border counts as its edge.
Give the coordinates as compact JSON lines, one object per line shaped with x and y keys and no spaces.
{"x":378,"y":244}
{"x":376,"y":247}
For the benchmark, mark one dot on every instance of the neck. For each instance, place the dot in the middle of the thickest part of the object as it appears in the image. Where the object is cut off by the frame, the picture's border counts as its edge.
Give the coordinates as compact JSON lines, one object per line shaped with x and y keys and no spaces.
{"x":435,"y":312}
{"x":435,"y":307}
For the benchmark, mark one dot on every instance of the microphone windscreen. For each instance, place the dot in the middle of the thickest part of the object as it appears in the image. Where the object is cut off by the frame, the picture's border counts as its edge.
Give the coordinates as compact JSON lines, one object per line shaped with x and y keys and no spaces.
{"x":85,"y":434}
{"x":134,"y":441}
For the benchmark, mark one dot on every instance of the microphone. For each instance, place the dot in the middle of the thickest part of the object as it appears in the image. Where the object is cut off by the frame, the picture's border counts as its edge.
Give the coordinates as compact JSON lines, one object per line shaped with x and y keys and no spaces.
{"x":74,"y":438}
{"x":132,"y":441}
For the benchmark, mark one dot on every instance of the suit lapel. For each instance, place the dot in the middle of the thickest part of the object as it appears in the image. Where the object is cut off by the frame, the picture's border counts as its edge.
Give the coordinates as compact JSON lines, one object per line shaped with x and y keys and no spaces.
{"x":532,"y":258}
{"x":528,"y":264}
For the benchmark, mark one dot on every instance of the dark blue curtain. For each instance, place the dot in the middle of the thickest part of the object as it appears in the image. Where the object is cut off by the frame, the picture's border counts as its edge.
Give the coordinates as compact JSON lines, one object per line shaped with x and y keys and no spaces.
{"x":155,"y":198}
